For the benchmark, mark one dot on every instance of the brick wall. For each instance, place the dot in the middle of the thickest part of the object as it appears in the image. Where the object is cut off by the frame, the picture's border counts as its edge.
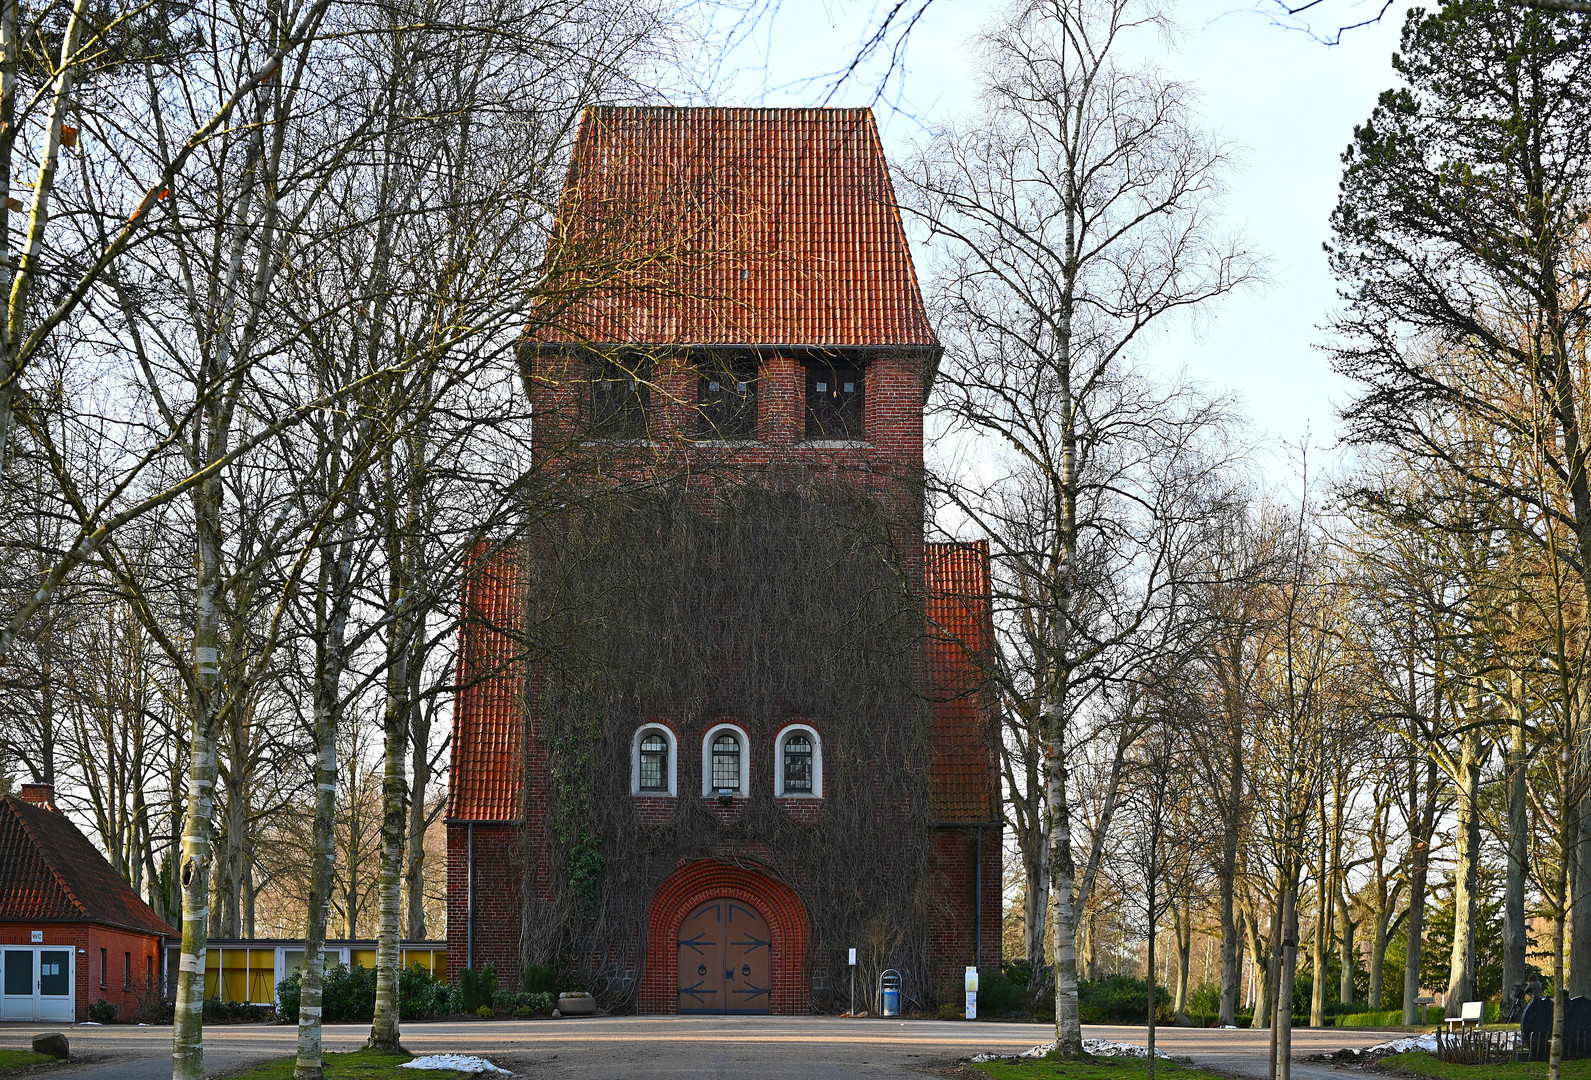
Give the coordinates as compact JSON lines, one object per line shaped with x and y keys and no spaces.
{"x":500,"y":860}
{"x":952,"y":914}
{"x":86,"y":940}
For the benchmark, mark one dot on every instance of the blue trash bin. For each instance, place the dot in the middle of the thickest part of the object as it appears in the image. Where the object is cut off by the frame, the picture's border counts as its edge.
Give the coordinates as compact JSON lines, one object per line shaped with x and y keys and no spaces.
{"x":889,"y":993}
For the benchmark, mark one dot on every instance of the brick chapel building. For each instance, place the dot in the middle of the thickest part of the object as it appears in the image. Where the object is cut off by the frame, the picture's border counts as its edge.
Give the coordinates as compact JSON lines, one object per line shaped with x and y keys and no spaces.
{"x":761,"y":739}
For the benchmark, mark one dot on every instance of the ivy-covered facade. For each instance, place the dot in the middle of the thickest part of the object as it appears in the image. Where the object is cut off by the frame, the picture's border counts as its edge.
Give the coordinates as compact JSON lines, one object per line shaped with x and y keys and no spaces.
{"x":720,"y":717}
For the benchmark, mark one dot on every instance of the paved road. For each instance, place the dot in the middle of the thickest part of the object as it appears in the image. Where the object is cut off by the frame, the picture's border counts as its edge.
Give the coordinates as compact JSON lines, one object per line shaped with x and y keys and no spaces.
{"x":677,"y":1048}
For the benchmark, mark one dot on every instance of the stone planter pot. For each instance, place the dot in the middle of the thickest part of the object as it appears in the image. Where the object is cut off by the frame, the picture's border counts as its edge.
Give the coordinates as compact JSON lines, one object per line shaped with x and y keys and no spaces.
{"x":577,"y":1004}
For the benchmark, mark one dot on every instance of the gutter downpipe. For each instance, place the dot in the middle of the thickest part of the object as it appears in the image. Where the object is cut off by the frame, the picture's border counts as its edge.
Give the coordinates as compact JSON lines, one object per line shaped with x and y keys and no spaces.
{"x":469,"y":893}
{"x":977,"y":958}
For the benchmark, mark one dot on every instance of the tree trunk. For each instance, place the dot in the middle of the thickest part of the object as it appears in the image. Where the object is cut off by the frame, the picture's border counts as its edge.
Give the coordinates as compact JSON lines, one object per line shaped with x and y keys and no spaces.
{"x":1466,"y":878}
{"x":1349,"y":955}
{"x":1317,"y":948}
{"x":1149,"y":1058}
{"x":1579,"y":975}
{"x":1036,"y":903}
{"x":419,"y":779}
{"x":394,"y":795}
{"x":1068,"y":1015}
{"x":1287,"y":954}
{"x":187,"y":1037}
{"x":1231,"y":968}
{"x":330,"y":661}
{"x":1378,"y":954}
{"x":1182,"y":915}
{"x":1515,"y":927}
{"x":1419,"y":867}
{"x":1263,"y":966}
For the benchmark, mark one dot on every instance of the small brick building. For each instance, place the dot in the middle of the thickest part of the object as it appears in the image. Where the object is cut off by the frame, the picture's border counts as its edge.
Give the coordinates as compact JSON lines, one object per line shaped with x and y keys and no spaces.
{"x":72,"y":931}
{"x":759,"y":323}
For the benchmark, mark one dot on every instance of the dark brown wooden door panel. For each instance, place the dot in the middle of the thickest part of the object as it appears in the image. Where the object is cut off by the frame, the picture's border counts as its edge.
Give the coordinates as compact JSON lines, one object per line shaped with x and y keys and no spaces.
{"x":725,"y":959}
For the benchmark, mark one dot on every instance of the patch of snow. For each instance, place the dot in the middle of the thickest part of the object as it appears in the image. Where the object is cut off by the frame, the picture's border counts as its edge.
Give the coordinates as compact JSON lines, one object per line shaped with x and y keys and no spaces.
{"x":463,"y":1063}
{"x":88,"y":1023}
{"x":1405,"y":1045}
{"x":1097,"y":1047}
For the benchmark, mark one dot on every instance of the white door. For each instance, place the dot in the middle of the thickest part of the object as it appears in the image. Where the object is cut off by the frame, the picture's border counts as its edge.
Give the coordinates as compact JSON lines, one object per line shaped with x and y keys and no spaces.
{"x":19,"y":985}
{"x":55,"y":985}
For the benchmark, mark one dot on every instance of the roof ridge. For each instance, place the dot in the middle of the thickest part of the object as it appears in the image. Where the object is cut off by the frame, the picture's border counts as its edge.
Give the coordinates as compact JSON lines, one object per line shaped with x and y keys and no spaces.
{"x":46,"y":850}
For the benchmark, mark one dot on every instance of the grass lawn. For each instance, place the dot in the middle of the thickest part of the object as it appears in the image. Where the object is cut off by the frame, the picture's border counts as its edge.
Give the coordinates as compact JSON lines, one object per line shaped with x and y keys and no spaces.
{"x":1421,"y":1064}
{"x":17,"y":1060}
{"x":1101,"y":1069}
{"x":358,"y":1065}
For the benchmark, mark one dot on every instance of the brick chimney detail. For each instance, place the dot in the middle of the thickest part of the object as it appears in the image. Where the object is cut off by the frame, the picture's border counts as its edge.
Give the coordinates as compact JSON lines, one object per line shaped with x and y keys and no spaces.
{"x":39,"y":795}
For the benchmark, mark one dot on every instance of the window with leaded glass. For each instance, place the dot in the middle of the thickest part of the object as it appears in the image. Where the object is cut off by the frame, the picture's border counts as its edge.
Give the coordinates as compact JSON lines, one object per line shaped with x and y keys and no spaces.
{"x":654,"y":763}
{"x":798,"y":765}
{"x":726,"y":762}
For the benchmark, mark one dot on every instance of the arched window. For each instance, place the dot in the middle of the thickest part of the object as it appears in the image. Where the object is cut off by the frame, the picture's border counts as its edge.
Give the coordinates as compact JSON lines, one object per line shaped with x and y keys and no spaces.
{"x":725,"y":764}
{"x":798,"y":765}
{"x":652,"y":766}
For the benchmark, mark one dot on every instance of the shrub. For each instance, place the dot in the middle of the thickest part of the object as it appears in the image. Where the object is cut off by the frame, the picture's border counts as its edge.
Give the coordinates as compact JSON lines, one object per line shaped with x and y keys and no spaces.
{"x":541,"y":979}
{"x":348,"y":994}
{"x":420,"y":994}
{"x":998,"y":994}
{"x":1204,"y":1000}
{"x":484,"y":1012}
{"x":288,"y":994}
{"x":217,"y":1011}
{"x":1120,"y":999}
{"x":479,"y":987}
{"x":101,"y":1011}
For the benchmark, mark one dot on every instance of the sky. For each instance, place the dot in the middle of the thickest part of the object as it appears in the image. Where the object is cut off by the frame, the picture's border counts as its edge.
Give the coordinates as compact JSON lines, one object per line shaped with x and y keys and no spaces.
{"x":1284,"y":98}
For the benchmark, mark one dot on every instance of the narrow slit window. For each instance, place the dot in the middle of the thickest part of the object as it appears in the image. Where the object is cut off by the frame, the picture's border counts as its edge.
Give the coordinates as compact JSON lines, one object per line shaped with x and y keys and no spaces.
{"x":835,"y":402}
{"x":726,"y":763}
{"x":798,"y":765}
{"x":654,"y":763}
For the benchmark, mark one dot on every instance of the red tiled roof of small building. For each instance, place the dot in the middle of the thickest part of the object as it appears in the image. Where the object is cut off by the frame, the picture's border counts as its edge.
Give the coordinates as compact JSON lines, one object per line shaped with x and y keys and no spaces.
{"x":963,"y":777}
{"x":693,"y":226}
{"x":50,"y":872}
{"x":489,"y":709}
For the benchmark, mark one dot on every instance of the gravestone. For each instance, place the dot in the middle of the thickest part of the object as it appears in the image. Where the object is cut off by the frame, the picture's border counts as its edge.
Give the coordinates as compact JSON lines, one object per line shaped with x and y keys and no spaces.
{"x":1577,"y":1028}
{"x":1535,"y":1028}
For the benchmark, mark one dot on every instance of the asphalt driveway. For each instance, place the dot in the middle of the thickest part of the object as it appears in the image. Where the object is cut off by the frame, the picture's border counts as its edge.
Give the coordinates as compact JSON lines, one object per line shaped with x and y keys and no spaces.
{"x":676,"y":1048}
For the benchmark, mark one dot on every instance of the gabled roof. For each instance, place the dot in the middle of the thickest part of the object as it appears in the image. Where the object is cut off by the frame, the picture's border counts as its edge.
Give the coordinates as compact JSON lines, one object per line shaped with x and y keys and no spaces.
{"x":731,"y":226}
{"x":963,"y":774}
{"x":49,"y":872}
{"x":489,"y":710}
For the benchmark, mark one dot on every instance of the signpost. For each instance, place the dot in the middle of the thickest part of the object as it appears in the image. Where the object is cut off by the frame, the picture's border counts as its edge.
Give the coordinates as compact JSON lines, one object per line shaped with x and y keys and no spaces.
{"x":853,"y":982}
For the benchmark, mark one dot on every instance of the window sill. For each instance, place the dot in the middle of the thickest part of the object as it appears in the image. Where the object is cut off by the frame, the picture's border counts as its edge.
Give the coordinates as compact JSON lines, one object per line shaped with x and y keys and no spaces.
{"x":653,"y":795}
{"x":800,"y":796}
{"x":834,"y":444}
{"x":726,"y":444}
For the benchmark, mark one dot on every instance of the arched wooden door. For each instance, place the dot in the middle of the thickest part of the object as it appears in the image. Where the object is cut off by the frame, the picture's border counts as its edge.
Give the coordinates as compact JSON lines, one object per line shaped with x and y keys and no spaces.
{"x":725,"y":959}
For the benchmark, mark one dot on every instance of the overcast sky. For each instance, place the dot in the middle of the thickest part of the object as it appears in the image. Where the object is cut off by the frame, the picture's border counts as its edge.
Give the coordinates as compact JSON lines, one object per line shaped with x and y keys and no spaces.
{"x":1285,"y":99}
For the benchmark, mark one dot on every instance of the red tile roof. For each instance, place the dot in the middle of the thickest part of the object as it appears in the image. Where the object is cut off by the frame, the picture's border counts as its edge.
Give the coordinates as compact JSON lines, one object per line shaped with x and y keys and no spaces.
{"x":489,"y":709}
{"x":731,"y":226}
{"x":49,"y":872}
{"x":963,"y":774}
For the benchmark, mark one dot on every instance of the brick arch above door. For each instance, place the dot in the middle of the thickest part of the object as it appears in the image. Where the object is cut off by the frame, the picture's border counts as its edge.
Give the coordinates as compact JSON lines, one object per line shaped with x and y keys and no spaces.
{"x":694,"y":884}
